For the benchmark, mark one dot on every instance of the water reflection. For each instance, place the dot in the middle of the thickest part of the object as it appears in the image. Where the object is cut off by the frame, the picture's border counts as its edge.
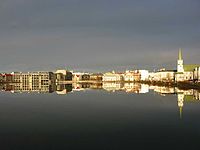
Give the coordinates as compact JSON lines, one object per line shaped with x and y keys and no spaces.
{"x":183,"y":96}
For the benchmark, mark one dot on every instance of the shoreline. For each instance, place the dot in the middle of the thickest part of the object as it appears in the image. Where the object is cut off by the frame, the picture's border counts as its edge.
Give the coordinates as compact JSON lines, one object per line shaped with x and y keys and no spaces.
{"x":180,"y":85}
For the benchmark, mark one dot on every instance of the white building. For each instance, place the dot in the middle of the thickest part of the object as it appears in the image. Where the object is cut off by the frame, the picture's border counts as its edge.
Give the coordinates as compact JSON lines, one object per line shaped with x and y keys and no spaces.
{"x":162,"y":75}
{"x":184,"y":72}
{"x":144,"y":75}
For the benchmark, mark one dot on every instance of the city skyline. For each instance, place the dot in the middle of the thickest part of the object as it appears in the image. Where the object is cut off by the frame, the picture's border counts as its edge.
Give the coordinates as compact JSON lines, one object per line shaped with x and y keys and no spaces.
{"x":97,"y":35}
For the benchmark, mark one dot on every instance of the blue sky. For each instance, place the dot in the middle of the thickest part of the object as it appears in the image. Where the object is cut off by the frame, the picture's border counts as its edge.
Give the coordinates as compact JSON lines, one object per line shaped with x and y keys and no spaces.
{"x":97,"y":35}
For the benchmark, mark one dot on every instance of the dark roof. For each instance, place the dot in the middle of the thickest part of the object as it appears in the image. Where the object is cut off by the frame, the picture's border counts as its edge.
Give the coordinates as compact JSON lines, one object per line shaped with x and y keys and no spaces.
{"x":167,"y":71}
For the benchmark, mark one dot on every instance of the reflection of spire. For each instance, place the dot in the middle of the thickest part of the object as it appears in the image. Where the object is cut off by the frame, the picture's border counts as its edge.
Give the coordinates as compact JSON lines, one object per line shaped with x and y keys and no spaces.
{"x":180,"y":103}
{"x":180,"y":112}
{"x":180,"y":54}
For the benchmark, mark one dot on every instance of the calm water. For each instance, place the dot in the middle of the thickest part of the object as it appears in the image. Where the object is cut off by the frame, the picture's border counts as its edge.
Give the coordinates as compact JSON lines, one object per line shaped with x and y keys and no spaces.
{"x":98,"y":119}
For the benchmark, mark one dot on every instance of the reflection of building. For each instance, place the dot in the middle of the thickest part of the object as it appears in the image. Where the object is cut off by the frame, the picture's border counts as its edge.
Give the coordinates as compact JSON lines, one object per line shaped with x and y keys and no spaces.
{"x":26,"y":87}
{"x":112,"y":86}
{"x":187,"y":96}
{"x":132,"y":87}
{"x":96,"y":86}
{"x":164,"y":90}
{"x":144,"y":88}
{"x":183,"y":96}
{"x":23,"y":87}
{"x":128,"y":87}
{"x":78,"y":87}
{"x":63,"y":88}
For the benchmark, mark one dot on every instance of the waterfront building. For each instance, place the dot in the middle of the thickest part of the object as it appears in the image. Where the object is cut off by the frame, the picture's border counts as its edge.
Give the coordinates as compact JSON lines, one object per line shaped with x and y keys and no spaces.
{"x":112,"y":76}
{"x":63,"y":75}
{"x":6,"y":77}
{"x":1,"y":78}
{"x":197,"y":74}
{"x":96,"y":76}
{"x":184,"y":72}
{"x":85,"y":77}
{"x":132,"y":76}
{"x":144,"y":75}
{"x":77,"y":76}
{"x":151,"y":76}
{"x":33,"y":81}
{"x":163,"y":75}
{"x":129,"y":76}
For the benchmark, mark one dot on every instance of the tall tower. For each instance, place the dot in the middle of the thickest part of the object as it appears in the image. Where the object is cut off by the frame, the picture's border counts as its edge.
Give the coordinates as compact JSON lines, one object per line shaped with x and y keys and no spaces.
{"x":180,"y":61}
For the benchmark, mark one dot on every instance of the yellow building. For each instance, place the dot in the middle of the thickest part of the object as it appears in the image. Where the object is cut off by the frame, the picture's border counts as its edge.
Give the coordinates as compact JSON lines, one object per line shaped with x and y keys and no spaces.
{"x":112,"y":76}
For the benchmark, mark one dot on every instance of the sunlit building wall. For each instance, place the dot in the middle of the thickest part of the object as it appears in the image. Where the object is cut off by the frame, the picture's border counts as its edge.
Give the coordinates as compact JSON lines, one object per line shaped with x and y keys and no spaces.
{"x":197,"y":74}
{"x":144,"y":75}
{"x":33,"y":81}
{"x":112,"y":76}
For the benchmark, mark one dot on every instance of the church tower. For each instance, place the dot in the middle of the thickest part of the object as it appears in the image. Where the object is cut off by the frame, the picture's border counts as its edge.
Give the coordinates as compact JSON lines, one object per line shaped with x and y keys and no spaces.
{"x":180,"y":61}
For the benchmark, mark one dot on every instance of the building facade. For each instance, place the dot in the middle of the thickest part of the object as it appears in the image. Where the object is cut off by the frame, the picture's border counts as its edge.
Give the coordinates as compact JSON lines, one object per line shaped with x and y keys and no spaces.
{"x":197,"y":74}
{"x":185,"y":72}
{"x":63,"y":75}
{"x":33,"y":81}
{"x":112,"y":76}
{"x":163,"y":76}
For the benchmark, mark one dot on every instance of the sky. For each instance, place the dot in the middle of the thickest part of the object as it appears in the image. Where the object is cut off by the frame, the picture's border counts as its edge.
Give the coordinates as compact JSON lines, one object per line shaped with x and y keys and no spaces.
{"x":97,"y":35}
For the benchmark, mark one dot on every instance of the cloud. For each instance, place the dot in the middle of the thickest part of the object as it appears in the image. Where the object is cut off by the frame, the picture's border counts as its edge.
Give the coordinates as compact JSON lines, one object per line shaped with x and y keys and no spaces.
{"x":93,"y":33}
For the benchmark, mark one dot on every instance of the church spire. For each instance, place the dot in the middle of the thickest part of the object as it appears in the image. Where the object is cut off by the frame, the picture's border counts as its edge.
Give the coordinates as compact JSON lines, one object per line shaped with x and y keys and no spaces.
{"x":180,"y":54}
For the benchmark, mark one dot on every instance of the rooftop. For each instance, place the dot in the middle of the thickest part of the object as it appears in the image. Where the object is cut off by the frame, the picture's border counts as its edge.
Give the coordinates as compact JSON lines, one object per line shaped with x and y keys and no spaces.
{"x":190,"y":67}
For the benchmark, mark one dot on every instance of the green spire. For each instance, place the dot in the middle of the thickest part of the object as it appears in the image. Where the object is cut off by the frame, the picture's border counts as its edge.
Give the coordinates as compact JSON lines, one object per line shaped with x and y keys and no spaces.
{"x":180,"y":54}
